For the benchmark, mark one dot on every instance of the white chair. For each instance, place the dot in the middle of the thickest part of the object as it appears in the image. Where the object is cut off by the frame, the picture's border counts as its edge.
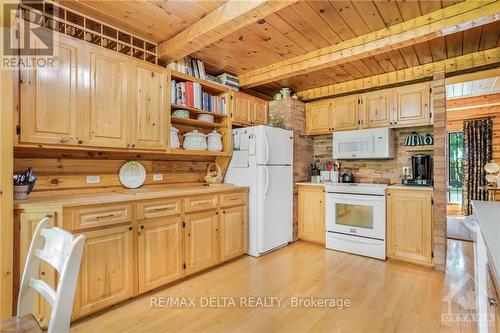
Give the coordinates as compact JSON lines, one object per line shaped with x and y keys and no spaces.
{"x":62,"y":251}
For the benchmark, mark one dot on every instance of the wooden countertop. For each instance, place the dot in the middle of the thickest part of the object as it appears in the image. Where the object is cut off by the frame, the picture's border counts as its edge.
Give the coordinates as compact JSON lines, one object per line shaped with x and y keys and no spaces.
{"x":54,"y":200}
{"x":410,"y":188}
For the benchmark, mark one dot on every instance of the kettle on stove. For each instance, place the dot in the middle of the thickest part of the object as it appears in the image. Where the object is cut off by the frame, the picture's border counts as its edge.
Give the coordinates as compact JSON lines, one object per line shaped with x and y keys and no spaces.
{"x":347,"y":177}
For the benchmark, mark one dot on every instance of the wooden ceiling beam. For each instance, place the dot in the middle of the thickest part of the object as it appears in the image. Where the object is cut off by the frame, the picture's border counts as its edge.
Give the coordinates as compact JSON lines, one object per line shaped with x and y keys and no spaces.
{"x":452,"y":65}
{"x":449,"y":20}
{"x":228,"y":18}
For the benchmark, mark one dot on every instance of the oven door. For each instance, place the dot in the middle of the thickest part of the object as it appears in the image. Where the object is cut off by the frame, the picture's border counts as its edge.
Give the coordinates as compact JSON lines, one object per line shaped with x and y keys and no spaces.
{"x":356,"y":214}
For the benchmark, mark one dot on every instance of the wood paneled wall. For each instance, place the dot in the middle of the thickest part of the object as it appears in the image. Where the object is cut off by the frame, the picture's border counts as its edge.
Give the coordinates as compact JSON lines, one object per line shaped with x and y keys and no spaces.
{"x":67,"y":173}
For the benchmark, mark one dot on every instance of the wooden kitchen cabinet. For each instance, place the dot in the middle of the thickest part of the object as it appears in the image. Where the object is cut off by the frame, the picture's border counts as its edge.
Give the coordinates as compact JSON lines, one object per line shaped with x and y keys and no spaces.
{"x":49,"y":98}
{"x":345,"y":113}
{"x":106,"y":271}
{"x":319,"y":117}
{"x":311,"y":213}
{"x":376,"y":109}
{"x":412,"y":105}
{"x":248,"y":110}
{"x":201,"y":240}
{"x":148,"y":114}
{"x":409,"y":225}
{"x":159,"y":251}
{"x":233,"y":232}
{"x":105,"y":123}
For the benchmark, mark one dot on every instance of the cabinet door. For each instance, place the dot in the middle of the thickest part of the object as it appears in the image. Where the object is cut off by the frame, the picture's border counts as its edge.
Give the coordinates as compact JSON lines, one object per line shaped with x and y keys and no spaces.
{"x":259,"y":112}
{"x":319,"y":117}
{"x":107,"y":95}
{"x":409,"y":225}
{"x":377,"y":109}
{"x":311,"y":214}
{"x":48,"y":101}
{"x":148,"y":115}
{"x":202,"y":245}
{"x":345,"y":113}
{"x":160,"y":252}
{"x":412,"y":105}
{"x":242,"y":108}
{"x":28,"y":223}
{"x":106,"y":271}
{"x":234,"y":232}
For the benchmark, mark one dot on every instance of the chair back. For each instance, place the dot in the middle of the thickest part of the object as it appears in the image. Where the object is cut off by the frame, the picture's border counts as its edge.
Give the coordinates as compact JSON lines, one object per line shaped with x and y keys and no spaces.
{"x":63,"y":251}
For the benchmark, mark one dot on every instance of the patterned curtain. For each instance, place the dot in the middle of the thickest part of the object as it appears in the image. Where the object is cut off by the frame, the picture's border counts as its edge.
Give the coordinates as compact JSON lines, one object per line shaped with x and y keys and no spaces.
{"x":477,"y":152}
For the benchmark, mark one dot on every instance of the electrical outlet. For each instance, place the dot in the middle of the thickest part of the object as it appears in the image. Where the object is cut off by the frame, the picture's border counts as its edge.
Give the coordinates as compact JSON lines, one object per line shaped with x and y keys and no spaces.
{"x":406,"y":171}
{"x":157,"y":177}
{"x":93,"y":179}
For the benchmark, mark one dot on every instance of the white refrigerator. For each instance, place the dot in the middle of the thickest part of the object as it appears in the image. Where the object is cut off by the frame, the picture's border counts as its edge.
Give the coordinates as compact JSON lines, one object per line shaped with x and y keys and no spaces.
{"x":263,"y":161}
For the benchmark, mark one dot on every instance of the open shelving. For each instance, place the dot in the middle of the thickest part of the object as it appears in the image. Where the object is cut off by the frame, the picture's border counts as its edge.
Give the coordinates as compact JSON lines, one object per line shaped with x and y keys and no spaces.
{"x":420,"y":148}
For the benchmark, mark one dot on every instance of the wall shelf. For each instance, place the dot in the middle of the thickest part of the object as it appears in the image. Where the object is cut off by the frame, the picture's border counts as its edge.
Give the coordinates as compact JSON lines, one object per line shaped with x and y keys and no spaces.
{"x":195,"y":123}
{"x":419,"y":148}
{"x":198,"y":152}
{"x":197,"y":111}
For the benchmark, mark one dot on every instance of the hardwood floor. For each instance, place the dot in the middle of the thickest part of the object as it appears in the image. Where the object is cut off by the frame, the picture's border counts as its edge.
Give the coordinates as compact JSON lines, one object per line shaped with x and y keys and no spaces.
{"x":385,"y":296}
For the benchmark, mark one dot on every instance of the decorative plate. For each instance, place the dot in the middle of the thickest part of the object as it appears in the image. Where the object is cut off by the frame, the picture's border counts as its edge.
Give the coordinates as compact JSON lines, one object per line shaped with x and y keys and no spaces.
{"x":132,"y":174}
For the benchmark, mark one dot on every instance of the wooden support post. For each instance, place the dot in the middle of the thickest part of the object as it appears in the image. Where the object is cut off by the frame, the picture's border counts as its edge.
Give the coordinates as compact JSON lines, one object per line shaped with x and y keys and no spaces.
{"x":440,"y":153}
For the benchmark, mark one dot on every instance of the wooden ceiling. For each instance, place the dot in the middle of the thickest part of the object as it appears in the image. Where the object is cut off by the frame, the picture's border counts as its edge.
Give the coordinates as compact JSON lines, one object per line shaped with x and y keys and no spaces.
{"x":469,"y":41}
{"x":293,"y":31}
{"x":154,"y":20}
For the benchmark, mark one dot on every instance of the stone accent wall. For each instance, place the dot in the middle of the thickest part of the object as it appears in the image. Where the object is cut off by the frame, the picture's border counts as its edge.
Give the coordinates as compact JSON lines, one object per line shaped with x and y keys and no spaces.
{"x":373,"y":171}
{"x":440,"y":152}
{"x":290,"y":114}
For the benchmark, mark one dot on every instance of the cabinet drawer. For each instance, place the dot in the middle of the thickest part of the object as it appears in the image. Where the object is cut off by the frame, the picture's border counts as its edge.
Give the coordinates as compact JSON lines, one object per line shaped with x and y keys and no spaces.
{"x":231,"y":199}
{"x":200,"y":203}
{"x":85,"y":218}
{"x":158,"y":208}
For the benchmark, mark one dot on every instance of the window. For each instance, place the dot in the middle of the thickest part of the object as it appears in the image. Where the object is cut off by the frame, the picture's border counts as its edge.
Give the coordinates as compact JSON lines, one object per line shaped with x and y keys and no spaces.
{"x":455,"y":165}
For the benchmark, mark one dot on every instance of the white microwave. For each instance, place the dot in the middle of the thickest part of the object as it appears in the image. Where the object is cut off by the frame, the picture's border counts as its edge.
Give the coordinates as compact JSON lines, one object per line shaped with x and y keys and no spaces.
{"x":376,"y":143}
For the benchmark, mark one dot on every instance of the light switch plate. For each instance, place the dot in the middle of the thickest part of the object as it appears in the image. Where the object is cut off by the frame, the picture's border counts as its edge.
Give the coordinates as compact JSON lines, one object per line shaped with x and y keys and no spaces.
{"x":93,"y":179}
{"x":157,"y":177}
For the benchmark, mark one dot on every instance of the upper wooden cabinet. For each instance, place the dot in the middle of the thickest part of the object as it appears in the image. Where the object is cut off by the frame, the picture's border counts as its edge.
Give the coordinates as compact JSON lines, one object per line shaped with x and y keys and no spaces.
{"x":376,"y":109}
{"x":107,"y":110}
{"x":248,"y":110}
{"x":398,"y":107}
{"x":149,"y":112}
{"x":412,"y":105}
{"x":49,"y":98}
{"x":311,"y":213}
{"x":409,"y":225}
{"x":345,"y":113}
{"x":319,"y":117}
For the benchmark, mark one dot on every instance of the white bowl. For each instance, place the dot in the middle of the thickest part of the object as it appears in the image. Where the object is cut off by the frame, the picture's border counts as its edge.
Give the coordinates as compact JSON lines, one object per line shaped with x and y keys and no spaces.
{"x":492,"y":167}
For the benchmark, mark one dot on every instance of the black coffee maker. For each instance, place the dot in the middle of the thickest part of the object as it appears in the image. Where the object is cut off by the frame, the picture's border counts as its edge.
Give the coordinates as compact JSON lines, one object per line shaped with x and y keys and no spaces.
{"x":421,"y":171}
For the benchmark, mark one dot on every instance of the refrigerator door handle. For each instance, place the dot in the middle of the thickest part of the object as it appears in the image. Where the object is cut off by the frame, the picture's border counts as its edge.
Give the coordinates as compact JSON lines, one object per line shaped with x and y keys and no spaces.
{"x":266,"y":188}
{"x":267,"y":148}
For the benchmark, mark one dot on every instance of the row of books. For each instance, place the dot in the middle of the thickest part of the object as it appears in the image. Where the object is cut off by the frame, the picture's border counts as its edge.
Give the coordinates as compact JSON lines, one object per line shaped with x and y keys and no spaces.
{"x":190,"y":94}
{"x":189,"y":66}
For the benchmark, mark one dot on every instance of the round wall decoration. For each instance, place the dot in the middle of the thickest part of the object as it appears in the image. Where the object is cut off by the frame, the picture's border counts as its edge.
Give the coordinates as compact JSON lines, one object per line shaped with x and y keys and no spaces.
{"x":132,"y":174}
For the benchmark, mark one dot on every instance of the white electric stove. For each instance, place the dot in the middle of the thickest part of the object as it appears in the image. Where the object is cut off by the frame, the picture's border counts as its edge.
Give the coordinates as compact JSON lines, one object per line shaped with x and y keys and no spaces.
{"x":356,"y":218}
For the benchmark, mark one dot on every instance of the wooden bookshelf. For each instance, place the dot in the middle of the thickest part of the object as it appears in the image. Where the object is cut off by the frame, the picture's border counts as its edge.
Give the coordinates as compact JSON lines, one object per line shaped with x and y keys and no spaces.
{"x":196,"y":111}
{"x":209,"y":86}
{"x":199,"y":152}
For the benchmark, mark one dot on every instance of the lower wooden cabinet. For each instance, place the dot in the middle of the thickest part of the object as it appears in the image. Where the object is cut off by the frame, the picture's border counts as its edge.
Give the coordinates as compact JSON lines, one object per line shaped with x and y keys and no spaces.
{"x":311,"y":213}
{"x":201,"y":237}
{"x":159,"y":252}
{"x":233,"y":232}
{"x":409,"y":225}
{"x":106,"y":271}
